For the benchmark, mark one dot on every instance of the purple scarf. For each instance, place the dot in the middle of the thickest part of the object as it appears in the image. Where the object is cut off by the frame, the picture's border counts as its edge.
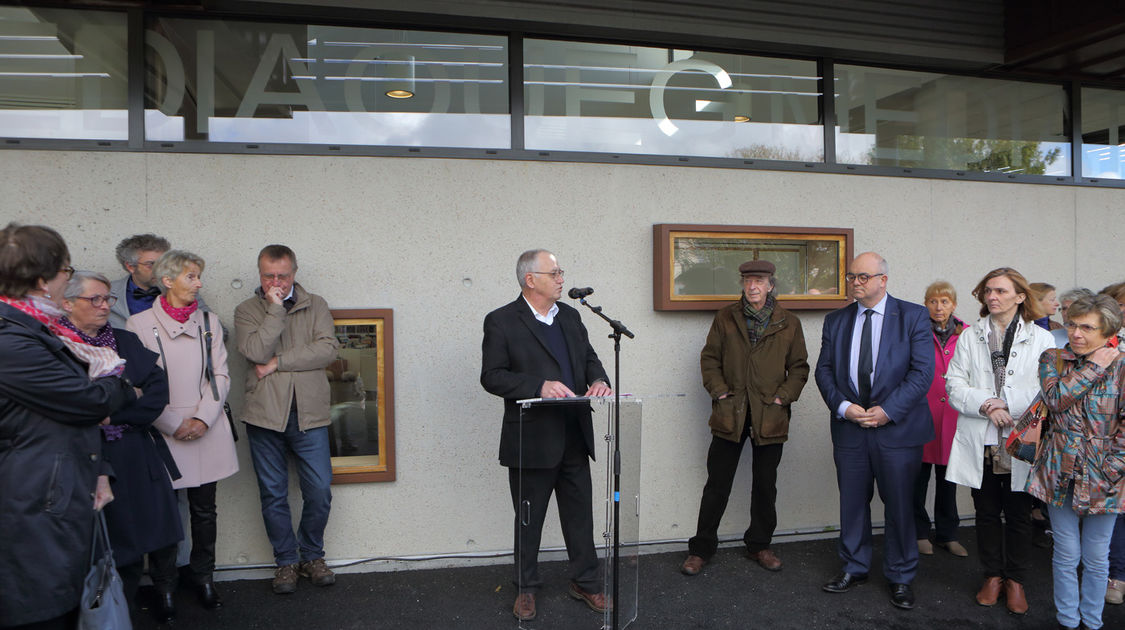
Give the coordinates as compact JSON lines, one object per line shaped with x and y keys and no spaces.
{"x":104,"y":339}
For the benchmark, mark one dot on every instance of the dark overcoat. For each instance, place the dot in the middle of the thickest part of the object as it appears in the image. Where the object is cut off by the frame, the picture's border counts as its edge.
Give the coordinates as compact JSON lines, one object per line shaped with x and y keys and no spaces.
{"x":50,"y":457}
{"x":144,"y":515}
{"x":516,"y":361}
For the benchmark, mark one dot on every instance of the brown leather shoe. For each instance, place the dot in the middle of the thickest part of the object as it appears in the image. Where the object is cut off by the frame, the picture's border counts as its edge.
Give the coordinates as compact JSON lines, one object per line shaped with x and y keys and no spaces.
{"x":990,"y":591}
{"x":524,"y":608}
{"x":768,"y":560}
{"x":596,"y":601}
{"x":692,"y":565}
{"x":1013,"y":593}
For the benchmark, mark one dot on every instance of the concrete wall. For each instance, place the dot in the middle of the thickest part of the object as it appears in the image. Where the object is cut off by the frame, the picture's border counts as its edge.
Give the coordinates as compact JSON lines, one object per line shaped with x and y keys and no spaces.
{"x":437,"y":240}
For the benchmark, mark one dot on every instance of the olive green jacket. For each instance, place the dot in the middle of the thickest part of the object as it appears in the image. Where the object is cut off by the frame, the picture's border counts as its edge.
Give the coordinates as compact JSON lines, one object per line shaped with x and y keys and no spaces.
{"x":776,"y":367}
{"x":304,"y":342}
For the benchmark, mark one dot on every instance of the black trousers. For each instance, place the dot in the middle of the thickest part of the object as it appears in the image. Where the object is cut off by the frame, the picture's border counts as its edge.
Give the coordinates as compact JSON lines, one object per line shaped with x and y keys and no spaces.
{"x":946,"y":518}
{"x":204,"y":532}
{"x":531,"y":492}
{"x":1004,"y":546}
{"x":722,"y":464}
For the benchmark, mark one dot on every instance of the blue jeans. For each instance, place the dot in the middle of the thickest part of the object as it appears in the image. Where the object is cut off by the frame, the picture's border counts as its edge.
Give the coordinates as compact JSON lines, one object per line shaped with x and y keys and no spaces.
{"x":1117,"y":550}
{"x":1083,"y":605}
{"x":269,"y":451}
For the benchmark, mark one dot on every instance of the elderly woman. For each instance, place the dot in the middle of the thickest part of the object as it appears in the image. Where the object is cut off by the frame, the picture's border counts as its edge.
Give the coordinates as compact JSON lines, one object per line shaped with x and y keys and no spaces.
{"x":1080,"y":474}
{"x":190,"y":343}
{"x":144,"y":517}
{"x":941,"y":301}
{"x":991,"y":381}
{"x":1047,"y":296}
{"x":52,"y":396}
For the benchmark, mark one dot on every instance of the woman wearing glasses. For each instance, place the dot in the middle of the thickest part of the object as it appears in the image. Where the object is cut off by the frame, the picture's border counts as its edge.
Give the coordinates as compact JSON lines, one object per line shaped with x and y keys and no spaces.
{"x":1080,"y":474}
{"x":54,"y":390}
{"x":144,"y":517}
{"x":991,"y":381}
{"x":190,"y":344}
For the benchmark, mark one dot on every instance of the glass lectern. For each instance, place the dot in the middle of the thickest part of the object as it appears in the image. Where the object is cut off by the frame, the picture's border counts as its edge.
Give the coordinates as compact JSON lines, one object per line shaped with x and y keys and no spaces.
{"x":544,"y":425}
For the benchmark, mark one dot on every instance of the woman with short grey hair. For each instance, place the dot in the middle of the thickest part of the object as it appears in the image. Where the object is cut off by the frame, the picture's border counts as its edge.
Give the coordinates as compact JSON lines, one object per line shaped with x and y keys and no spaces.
{"x":190,"y":342}
{"x":145,"y":518}
{"x":1080,"y":472}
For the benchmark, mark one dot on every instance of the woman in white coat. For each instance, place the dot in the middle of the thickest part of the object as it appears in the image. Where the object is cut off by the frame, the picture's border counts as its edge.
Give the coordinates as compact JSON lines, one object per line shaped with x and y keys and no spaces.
{"x":193,"y":424}
{"x":991,"y":381}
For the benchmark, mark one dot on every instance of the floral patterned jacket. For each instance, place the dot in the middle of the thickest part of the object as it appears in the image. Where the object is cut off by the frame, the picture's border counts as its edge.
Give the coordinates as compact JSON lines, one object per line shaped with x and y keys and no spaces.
{"x":1086,"y":442}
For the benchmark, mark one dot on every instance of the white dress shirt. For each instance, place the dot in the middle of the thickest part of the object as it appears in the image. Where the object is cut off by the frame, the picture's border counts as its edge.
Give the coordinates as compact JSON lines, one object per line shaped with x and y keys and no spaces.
{"x":857,"y":333}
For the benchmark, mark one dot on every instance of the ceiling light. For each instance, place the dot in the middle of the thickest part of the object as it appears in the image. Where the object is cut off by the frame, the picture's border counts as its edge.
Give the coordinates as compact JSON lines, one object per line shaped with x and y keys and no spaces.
{"x":400,"y":93}
{"x":741,"y":118}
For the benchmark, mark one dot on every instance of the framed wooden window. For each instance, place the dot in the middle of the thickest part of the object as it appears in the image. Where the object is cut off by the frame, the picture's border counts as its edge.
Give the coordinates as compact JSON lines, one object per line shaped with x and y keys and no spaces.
{"x":695,"y":267}
{"x":362,"y":433}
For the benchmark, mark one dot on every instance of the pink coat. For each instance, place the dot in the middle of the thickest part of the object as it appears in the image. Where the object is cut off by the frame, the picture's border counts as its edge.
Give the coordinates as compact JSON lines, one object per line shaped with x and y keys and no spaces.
{"x":211,"y":457}
{"x":945,"y":416}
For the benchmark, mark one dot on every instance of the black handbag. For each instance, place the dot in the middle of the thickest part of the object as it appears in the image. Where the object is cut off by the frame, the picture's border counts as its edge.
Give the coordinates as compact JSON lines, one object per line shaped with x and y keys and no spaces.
{"x":103,"y":605}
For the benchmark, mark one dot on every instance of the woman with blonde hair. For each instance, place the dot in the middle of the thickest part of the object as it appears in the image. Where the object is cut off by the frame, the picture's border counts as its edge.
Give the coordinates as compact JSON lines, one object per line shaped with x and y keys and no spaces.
{"x":1047,"y":296}
{"x":991,"y":381}
{"x":190,"y":343}
{"x":941,"y":301}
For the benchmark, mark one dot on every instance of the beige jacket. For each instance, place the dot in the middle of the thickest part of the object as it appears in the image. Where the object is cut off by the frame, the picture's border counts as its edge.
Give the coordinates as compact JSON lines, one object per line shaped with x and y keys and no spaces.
{"x":304,"y":342}
{"x":211,"y":457}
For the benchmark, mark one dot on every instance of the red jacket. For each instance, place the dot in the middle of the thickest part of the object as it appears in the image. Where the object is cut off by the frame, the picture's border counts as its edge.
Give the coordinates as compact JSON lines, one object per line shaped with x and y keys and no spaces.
{"x":945,"y":417}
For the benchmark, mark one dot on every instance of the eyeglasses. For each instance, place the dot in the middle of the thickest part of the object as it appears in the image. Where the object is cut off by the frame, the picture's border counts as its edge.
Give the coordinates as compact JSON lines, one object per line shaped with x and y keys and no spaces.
{"x":862,"y":277}
{"x":276,"y":277}
{"x":1085,"y":328}
{"x":556,"y":274}
{"x":68,"y":270}
{"x":148,"y":264}
{"x":100,"y":300}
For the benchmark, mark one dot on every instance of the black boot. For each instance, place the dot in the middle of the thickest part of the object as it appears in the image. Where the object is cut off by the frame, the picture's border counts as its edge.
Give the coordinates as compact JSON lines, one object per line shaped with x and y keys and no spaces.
{"x":208,"y":596}
{"x":165,"y":606}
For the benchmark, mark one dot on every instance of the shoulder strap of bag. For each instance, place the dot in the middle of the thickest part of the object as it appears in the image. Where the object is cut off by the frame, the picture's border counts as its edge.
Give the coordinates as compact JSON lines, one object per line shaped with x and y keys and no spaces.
{"x":209,"y":368}
{"x":160,"y":346}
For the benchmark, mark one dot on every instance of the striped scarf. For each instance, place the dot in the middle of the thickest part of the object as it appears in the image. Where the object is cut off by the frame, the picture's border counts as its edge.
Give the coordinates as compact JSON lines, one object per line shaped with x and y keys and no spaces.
{"x":99,"y":361}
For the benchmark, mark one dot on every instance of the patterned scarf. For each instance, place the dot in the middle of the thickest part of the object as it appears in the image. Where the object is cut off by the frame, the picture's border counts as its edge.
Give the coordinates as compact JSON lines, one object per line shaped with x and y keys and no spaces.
{"x":1001,"y":460}
{"x":100,"y":362}
{"x":757,"y":319}
{"x":179,"y":314}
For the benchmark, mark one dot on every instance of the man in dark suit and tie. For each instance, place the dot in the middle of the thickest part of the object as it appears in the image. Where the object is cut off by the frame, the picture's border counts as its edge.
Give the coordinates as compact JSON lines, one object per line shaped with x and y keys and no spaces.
{"x":535,"y":347}
{"x":875,"y":367}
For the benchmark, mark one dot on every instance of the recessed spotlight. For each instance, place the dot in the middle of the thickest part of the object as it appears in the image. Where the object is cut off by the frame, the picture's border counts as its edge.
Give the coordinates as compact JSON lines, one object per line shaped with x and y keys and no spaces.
{"x":400,"y":93}
{"x":741,"y":118}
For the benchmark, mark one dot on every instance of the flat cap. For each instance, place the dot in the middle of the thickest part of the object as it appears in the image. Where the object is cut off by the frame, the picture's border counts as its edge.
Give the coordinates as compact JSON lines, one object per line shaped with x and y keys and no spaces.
{"x":756,"y":268}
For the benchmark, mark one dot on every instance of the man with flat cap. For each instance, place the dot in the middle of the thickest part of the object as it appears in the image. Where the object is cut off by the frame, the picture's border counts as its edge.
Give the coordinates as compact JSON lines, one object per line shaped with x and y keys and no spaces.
{"x":754,"y":366}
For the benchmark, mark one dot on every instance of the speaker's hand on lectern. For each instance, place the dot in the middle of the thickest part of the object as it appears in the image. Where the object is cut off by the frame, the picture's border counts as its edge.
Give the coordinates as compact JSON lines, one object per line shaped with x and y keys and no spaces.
{"x":555,"y":389}
{"x":599,"y":388}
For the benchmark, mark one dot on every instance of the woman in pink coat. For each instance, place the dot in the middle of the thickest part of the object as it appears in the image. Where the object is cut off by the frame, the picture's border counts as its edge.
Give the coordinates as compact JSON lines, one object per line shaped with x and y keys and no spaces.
{"x":941,"y":300}
{"x":193,"y":424}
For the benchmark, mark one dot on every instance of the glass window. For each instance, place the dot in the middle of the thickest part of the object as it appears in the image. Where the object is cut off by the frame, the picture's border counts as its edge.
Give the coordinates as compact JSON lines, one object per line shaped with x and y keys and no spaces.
{"x":63,"y":74}
{"x":628,"y":99}
{"x":917,"y":119}
{"x":227,"y":81}
{"x":1103,"y":133}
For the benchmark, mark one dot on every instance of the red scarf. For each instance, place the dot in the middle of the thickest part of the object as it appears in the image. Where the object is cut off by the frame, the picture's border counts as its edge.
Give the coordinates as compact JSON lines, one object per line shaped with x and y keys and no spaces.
{"x":179,"y":314}
{"x":51,"y":321}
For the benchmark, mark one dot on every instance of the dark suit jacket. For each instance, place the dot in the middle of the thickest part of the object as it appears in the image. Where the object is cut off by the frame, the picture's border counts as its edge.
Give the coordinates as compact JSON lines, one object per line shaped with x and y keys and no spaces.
{"x":515,"y":364}
{"x":903,"y":372}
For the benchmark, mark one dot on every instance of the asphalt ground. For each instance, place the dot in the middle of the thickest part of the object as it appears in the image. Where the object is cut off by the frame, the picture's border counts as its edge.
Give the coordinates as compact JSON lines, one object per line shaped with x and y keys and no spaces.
{"x":731,"y":592}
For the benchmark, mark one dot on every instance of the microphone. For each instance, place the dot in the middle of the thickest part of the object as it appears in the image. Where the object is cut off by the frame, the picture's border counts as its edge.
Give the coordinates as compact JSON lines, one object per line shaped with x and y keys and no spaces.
{"x":577,"y":294}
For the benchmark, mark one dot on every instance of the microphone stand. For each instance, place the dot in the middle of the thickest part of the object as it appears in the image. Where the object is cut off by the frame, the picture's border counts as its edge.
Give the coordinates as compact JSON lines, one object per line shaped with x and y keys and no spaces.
{"x":618,"y":330}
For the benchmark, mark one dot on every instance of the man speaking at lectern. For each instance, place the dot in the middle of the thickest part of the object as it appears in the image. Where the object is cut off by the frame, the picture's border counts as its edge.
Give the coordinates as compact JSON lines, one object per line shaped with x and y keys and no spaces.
{"x":535,"y":347}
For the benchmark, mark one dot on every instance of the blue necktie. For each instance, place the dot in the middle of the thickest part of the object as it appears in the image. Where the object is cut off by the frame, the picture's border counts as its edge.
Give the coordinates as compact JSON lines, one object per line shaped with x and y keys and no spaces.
{"x":865,"y":367}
